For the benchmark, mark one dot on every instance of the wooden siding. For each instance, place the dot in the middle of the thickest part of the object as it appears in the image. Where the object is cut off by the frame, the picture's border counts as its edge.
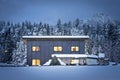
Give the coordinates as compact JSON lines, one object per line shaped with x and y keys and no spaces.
{"x":47,"y":48}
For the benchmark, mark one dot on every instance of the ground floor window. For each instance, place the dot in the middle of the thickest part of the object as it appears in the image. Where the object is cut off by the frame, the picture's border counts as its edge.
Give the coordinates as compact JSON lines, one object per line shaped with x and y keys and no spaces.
{"x":74,"y":48}
{"x":35,"y":62}
{"x":78,"y":61}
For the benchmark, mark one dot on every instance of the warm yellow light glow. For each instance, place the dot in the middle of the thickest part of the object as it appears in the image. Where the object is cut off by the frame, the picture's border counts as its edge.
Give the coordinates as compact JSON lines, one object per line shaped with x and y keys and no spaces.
{"x":35,"y":62}
{"x":38,"y":62}
{"x":57,"y":48}
{"x":35,"y":48}
{"x":74,"y":48}
{"x":72,"y":61}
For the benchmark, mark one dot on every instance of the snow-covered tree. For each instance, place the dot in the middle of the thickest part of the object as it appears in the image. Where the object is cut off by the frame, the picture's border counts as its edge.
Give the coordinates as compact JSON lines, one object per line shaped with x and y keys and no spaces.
{"x":19,"y":54}
{"x":103,"y":31}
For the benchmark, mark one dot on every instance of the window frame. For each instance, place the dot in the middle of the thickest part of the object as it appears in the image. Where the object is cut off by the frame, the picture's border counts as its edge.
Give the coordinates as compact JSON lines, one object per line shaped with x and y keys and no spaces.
{"x":77,"y":49}
{"x":36,"y":47}
{"x":36,"y":62}
{"x":58,"y":50}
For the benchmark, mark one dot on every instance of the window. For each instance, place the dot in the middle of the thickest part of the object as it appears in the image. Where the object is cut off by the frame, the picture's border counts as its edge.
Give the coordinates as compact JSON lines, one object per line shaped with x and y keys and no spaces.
{"x":75,"y":61}
{"x":35,"y":48}
{"x":57,"y":48}
{"x":74,"y":48}
{"x":35,"y":62}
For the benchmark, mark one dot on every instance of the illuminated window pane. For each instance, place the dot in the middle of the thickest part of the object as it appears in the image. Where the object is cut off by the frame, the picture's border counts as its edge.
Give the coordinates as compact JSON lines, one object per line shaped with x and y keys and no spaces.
{"x":77,"y":48}
{"x":35,"y":48}
{"x":74,"y":48}
{"x":57,"y":48}
{"x":38,"y":62}
{"x":75,"y":61}
{"x":35,"y":62}
{"x":72,"y":61}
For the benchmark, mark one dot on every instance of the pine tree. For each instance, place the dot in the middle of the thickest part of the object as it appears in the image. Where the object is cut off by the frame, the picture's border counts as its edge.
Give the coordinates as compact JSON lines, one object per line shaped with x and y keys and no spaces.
{"x":113,"y":39}
{"x":8,"y":46}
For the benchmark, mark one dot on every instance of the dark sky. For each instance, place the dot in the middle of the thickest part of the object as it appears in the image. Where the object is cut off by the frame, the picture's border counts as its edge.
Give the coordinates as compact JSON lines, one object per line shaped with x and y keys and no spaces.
{"x":50,"y":11}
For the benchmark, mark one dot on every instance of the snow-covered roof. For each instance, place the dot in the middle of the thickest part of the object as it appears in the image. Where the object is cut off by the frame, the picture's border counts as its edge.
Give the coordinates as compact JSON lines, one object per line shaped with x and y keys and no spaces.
{"x":83,"y":37}
{"x":74,"y":55}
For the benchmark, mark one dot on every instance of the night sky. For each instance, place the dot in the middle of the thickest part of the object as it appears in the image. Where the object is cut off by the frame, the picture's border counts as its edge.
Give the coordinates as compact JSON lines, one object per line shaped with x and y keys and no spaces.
{"x":49,"y":11}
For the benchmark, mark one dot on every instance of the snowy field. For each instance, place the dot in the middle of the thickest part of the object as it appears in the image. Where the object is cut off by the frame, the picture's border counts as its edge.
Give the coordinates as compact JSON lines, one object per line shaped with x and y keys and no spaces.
{"x":60,"y":73}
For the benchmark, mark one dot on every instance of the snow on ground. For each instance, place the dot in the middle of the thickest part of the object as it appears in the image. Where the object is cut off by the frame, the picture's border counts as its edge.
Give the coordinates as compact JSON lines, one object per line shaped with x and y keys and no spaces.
{"x":60,"y":73}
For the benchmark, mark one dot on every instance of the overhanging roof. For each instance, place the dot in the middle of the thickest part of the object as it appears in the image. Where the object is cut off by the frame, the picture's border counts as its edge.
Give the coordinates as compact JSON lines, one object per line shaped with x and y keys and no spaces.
{"x":74,"y":56}
{"x":52,"y":37}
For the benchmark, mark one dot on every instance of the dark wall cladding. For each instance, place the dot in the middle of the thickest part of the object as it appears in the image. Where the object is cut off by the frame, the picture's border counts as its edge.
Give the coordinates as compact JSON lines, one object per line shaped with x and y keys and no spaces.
{"x":47,"y":48}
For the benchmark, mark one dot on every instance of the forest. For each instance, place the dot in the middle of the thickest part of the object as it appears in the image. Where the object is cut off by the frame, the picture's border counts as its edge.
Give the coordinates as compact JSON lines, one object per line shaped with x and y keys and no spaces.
{"x":104,"y":35}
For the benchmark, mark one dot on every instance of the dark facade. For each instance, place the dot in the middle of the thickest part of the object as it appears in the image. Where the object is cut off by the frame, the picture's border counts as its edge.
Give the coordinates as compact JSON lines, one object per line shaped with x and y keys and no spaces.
{"x":40,"y":48}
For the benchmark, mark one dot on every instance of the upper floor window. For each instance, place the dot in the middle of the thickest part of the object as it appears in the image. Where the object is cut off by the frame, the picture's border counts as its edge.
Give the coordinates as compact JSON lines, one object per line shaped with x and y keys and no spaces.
{"x":57,"y":48}
{"x":74,"y":48}
{"x":35,"y":48}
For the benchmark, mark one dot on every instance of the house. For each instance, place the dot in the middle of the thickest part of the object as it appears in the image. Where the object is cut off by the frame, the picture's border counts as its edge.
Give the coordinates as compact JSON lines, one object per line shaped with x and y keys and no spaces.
{"x":41,"y":48}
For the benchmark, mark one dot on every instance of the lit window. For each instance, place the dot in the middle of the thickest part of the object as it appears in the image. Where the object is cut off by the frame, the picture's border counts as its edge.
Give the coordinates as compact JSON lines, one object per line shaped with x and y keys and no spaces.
{"x":75,"y":61}
{"x":35,"y":62}
{"x":57,"y":48}
{"x":72,"y":61}
{"x":35,"y":48}
{"x":74,"y":48}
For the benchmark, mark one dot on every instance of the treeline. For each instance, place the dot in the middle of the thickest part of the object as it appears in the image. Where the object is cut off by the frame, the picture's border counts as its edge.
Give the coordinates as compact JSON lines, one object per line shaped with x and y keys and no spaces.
{"x":103,"y":31}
